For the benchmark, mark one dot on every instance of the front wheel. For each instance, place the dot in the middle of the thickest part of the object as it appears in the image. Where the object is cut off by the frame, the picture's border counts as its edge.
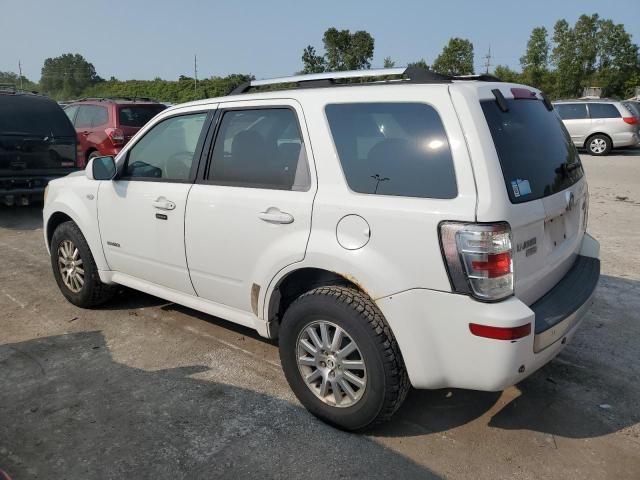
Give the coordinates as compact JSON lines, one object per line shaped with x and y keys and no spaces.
{"x":75,"y":270}
{"x":599,"y":145}
{"x":341,"y":358}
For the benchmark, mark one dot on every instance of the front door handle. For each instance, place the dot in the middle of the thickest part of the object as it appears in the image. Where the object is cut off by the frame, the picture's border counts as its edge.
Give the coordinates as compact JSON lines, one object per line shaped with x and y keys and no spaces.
{"x":162,"y":203}
{"x":274,"y":215}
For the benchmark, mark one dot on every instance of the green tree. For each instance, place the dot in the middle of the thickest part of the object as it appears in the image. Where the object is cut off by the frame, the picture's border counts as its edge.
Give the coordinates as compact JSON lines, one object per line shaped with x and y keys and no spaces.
{"x":535,"y":61}
{"x":419,"y":64}
{"x":346,"y":50}
{"x":312,"y":63}
{"x":506,"y":74}
{"x":67,"y":75}
{"x":618,"y":61}
{"x":456,"y":58}
{"x":388,"y":62}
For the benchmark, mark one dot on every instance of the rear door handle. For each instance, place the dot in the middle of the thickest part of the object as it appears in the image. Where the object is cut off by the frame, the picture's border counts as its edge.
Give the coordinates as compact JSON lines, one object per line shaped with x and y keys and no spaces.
{"x":162,"y":203}
{"x":274,"y":215}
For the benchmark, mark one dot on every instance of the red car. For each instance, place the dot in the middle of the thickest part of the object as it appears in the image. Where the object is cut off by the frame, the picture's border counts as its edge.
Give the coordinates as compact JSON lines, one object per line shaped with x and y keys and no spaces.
{"x":105,"y":125}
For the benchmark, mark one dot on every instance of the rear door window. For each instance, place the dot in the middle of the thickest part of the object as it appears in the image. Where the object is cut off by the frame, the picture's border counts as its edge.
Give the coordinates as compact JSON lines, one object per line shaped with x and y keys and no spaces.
{"x":138,"y":115}
{"x":91,"y":116}
{"x":534,"y":149}
{"x":393,"y":149}
{"x":572,"y":111}
{"x":603,"y":110}
{"x":260,"y":148}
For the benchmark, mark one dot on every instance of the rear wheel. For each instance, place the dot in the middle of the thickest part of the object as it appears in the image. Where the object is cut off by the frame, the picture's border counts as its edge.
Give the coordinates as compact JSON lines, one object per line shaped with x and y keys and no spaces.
{"x":341,"y":359}
{"x":599,"y":145}
{"x":75,"y":270}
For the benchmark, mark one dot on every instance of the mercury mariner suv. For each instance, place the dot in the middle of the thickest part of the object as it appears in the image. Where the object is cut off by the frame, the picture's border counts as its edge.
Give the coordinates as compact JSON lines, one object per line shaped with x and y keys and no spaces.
{"x":390,"y":227}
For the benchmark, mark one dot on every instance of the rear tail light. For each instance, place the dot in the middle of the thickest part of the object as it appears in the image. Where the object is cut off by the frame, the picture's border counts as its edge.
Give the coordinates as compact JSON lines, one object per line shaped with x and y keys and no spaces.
{"x":116,"y":135}
{"x":80,"y":160}
{"x":630,"y":120}
{"x":479,"y":258}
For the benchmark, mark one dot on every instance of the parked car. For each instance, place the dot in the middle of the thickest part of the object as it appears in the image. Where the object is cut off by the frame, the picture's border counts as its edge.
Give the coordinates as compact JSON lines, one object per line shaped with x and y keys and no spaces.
{"x":429,"y":231}
{"x":599,"y":125}
{"x":37,"y":144}
{"x":105,"y":125}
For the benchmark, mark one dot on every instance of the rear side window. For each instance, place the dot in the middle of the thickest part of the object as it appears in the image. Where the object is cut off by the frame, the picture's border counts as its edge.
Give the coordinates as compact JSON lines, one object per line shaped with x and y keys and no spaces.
{"x":393,"y":149}
{"x":603,"y":110}
{"x":572,"y":111}
{"x":534,"y":149}
{"x":138,"y":116}
{"x":33,"y":115}
{"x":91,"y":116}
{"x":260,"y":148}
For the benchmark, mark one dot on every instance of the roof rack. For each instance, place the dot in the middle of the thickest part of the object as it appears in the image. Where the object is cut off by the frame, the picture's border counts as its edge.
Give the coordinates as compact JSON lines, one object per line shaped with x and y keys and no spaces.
{"x":112,"y":99}
{"x":328,"y":79}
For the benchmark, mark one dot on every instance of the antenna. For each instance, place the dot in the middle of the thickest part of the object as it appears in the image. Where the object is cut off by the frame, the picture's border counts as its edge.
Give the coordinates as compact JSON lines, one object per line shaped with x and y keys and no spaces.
{"x":487,"y":60}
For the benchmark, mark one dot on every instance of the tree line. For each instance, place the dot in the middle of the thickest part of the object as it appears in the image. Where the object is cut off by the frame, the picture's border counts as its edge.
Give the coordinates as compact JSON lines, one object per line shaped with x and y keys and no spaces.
{"x":594,"y":52}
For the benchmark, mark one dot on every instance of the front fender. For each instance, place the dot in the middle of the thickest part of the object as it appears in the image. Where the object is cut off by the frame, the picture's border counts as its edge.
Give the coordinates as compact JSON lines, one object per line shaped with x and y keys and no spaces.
{"x":76,"y":197}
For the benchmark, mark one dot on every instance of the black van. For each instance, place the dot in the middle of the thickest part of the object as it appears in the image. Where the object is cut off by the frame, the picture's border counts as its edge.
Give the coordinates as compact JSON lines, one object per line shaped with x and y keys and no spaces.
{"x":37,"y":143}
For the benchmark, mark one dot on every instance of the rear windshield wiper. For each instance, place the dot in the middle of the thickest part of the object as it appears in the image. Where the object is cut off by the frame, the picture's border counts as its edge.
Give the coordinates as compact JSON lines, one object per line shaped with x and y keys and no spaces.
{"x":565,"y":167}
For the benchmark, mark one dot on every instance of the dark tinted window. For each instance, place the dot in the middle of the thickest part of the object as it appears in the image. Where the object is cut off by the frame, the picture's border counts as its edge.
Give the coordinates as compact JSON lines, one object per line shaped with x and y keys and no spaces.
{"x":603,"y":110}
{"x":91,"y":116}
{"x":260,"y":148}
{"x":33,"y":115}
{"x":393,"y":149}
{"x":532,"y":145}
{"x":139,"y":115}
{"x":634,"y":108}
{"x":572,"y":111}
{"x":167,"y":151}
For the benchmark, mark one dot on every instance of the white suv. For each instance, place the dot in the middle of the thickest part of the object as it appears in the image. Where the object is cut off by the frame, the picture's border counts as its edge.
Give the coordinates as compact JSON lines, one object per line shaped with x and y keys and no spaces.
{"x":410,"y":229}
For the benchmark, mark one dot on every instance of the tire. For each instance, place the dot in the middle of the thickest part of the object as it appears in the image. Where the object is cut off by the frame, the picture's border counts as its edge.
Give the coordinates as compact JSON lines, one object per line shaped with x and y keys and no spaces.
{"x":85,"y":293}
{"x":599,"y":145}
{"x":384,"y":376}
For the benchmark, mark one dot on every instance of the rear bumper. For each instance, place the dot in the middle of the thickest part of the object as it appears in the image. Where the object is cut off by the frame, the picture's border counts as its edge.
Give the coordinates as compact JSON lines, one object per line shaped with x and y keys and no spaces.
{"x":625,"y":139}
{"x":439,"y":350}
{"x":26,"y":185}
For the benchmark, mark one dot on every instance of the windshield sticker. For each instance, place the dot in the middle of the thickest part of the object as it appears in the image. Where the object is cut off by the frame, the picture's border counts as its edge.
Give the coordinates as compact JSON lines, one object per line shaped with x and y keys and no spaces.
{"x":520,"y":187}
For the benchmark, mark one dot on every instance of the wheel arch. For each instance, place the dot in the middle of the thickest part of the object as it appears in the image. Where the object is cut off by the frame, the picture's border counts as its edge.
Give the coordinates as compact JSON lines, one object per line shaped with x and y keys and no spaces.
{"x":593,"y":134}
{"x":293,"y":284}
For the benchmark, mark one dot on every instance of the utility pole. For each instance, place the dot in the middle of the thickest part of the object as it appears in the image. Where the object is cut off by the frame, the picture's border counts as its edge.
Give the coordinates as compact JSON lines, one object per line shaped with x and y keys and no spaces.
{"x":195,"y":75}
{"x":20,"y":73}
{"x":487,"y":60}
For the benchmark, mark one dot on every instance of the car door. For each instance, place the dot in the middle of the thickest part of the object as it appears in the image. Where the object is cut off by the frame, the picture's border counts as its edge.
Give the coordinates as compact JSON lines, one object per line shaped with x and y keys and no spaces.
{"x":141,"y":212}
{"x":250,"y":214}
{"x":576,"y":118}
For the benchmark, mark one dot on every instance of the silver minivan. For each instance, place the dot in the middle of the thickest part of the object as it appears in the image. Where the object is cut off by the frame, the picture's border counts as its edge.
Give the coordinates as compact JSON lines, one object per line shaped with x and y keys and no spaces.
{"x":599,"y":125}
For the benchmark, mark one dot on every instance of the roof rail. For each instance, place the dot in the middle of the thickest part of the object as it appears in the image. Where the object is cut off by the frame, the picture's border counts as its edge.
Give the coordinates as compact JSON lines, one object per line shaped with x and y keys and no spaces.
{"x":112,"y":99}
{"x":326,"y":79}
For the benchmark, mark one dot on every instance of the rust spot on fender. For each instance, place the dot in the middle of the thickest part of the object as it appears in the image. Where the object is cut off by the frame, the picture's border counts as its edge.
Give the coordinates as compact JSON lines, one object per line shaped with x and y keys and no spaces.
{"x":255,"y":292}
{"x":356,"y":282}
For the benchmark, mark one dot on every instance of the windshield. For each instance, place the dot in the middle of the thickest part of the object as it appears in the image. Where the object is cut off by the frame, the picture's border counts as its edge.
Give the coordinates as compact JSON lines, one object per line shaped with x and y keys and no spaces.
{"x":137,"y":116}
{"x":33,"y":115}
{"x":535,"y":150}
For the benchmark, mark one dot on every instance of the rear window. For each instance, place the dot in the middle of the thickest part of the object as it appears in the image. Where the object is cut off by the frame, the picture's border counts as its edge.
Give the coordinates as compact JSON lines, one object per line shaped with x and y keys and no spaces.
{"x":534,"y":149}
{"x":393,"y":149}
{"x":572,"y":111}
{"x":33,"y":115}
{"x":603,"y":110}
{"x":137,"y":116}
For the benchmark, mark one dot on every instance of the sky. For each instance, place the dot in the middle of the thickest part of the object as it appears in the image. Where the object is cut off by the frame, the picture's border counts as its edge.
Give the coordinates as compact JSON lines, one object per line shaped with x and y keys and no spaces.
{"x":138,"y":39}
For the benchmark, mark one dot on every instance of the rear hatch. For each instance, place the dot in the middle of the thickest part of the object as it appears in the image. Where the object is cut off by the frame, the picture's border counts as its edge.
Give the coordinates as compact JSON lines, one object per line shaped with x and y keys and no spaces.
{"x":547,"y":198}
{"x":133,"y":116}
{"x":36,"y":138}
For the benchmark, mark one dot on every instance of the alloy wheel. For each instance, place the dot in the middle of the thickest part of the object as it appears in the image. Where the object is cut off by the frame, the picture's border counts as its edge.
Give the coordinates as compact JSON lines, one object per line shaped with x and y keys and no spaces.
{"x":598,"y":145}
{"x":71,"y":266}
{"x":331,"y":364}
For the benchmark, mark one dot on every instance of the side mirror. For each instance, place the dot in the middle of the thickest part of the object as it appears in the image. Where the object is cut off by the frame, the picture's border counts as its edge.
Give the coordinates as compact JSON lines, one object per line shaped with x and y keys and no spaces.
{"x":101,"y":168}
